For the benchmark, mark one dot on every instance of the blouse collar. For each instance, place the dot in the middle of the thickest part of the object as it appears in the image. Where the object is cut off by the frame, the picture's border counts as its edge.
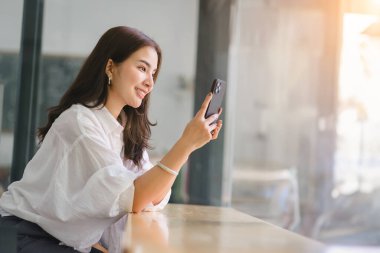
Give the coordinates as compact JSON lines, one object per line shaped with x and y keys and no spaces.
{"x":108,"y":122}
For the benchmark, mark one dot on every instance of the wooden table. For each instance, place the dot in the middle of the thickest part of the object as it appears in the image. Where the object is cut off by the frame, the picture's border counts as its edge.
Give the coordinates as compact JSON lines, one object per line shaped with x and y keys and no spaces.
{"x":198,"y":229}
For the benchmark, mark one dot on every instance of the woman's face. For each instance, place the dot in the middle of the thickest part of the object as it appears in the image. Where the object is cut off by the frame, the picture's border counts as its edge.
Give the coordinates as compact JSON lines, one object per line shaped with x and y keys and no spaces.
{"x":132,"y":79}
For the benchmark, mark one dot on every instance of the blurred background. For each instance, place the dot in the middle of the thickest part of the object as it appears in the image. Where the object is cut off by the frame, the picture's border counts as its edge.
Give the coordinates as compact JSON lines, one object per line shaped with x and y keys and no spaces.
{"x":300,"y":146}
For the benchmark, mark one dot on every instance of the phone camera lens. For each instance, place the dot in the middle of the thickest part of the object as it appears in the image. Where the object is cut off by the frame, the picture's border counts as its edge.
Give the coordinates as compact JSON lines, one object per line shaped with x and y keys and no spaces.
{"x":217,"y":89}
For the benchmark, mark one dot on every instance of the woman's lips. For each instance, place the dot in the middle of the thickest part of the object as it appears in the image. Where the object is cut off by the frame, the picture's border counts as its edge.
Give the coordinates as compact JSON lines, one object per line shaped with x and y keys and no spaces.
{"x":141,"y":93}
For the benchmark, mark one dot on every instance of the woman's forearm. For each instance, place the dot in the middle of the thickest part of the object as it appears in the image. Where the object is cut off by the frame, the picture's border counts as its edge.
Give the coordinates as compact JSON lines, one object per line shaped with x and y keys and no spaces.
{"x":152,"y":186}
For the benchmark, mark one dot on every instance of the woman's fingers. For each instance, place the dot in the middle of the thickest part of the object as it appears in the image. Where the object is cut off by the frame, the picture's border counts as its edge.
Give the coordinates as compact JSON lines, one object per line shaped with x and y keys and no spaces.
{"x":216,"y":130}
{"x":211,"y":119}
{"x":214,"y":117}
{"x":206,"y":102}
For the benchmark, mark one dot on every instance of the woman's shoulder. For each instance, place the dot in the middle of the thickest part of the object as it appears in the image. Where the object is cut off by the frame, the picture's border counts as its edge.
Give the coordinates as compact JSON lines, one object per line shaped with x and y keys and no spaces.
{"x":76,"y":109}
{"x":77,"y":113}
{"x":77,"y":119}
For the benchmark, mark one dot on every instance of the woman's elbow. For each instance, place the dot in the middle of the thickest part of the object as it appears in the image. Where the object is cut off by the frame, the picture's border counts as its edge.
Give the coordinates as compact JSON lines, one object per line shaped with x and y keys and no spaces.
{"x":137,"y":207}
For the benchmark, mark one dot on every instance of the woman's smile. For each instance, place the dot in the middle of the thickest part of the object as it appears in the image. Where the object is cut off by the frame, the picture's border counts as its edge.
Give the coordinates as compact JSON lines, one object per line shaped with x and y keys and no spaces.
{"x":141,"y":93}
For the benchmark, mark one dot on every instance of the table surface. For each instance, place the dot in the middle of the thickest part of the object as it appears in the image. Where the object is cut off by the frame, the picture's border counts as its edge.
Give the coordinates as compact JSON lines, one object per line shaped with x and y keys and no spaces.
{"x":192,"y":228}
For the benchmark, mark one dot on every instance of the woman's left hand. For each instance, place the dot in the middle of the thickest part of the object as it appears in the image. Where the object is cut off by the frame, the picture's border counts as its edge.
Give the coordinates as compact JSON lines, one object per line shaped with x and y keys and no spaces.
{"x":199,"y":131}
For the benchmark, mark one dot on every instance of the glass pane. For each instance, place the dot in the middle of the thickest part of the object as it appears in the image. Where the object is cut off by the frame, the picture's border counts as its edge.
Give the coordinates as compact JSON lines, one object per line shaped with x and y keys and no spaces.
{"x":307,"y":152}
{"x":10,"y":39}
{"x":276,"y":58}
{"x":357,"y":163}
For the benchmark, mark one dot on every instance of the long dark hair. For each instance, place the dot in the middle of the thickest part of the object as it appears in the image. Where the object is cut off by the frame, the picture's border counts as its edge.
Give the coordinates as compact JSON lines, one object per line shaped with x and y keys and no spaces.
{"x":90,"y":87}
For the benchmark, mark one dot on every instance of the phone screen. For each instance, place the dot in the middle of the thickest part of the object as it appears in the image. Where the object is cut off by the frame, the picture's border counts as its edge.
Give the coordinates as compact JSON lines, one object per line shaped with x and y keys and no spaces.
{"x":218,"y":89}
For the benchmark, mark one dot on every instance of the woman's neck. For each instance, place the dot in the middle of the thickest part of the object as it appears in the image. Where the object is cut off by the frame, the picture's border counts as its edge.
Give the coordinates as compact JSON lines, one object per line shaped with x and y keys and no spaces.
{"x":113,"y":107}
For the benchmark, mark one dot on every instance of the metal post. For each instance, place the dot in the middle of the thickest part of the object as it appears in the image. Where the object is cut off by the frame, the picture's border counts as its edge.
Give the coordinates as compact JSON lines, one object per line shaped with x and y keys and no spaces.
{"x":205,"y":175}
{"x":1,"y":104}
{"x":30,"y":53}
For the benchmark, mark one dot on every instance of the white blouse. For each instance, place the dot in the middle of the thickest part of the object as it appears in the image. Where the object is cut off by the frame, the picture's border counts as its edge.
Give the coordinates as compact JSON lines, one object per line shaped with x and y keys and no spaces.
{"x":77,"y":186}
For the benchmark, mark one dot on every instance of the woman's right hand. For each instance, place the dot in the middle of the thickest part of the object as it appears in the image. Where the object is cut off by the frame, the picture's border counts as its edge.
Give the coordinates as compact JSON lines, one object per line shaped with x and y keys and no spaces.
{"x":199,"y":131}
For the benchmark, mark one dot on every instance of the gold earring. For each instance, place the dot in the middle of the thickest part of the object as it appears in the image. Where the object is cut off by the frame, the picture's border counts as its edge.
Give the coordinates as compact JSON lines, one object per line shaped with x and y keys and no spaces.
{"x":109,"y":81}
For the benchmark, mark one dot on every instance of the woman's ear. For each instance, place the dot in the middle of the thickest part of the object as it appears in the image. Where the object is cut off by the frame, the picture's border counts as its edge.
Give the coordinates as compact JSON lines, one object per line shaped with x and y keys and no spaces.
{"x":109,"y":68}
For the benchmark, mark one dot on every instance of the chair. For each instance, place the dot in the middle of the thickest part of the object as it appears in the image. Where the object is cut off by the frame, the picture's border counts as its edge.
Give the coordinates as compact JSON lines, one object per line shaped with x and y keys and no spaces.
{"x":268,"y":194}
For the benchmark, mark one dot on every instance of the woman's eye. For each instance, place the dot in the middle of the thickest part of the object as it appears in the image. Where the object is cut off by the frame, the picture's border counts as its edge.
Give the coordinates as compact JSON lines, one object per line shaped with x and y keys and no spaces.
{"x":143,"y":69}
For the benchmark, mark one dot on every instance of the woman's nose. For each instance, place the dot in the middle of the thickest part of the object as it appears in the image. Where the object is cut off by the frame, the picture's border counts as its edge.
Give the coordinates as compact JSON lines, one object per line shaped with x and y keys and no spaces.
{"x":149,"y":82}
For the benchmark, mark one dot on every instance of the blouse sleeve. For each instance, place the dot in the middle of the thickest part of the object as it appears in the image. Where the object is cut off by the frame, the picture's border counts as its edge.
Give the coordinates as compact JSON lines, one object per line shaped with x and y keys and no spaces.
{"x":99,"y":184}
{"x":151,"y":207}
{"x":91,"y":178}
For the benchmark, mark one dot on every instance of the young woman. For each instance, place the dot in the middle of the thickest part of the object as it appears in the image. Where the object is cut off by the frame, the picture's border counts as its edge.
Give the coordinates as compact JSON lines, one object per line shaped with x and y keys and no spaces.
{"x":92,"y":167}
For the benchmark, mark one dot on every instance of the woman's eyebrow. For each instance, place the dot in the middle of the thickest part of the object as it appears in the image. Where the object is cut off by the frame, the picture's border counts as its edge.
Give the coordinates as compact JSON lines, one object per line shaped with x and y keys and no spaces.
{"x":147,"y":63}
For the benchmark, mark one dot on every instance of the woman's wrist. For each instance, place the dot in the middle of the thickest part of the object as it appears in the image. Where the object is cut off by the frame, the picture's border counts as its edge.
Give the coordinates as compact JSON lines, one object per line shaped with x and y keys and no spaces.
{"x":178,"y":155}
{"x":185,"y":146}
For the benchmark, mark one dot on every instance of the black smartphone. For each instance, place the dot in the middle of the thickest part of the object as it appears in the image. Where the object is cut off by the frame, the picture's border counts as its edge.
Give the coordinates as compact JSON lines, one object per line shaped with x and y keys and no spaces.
{"x":218,"y":89}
